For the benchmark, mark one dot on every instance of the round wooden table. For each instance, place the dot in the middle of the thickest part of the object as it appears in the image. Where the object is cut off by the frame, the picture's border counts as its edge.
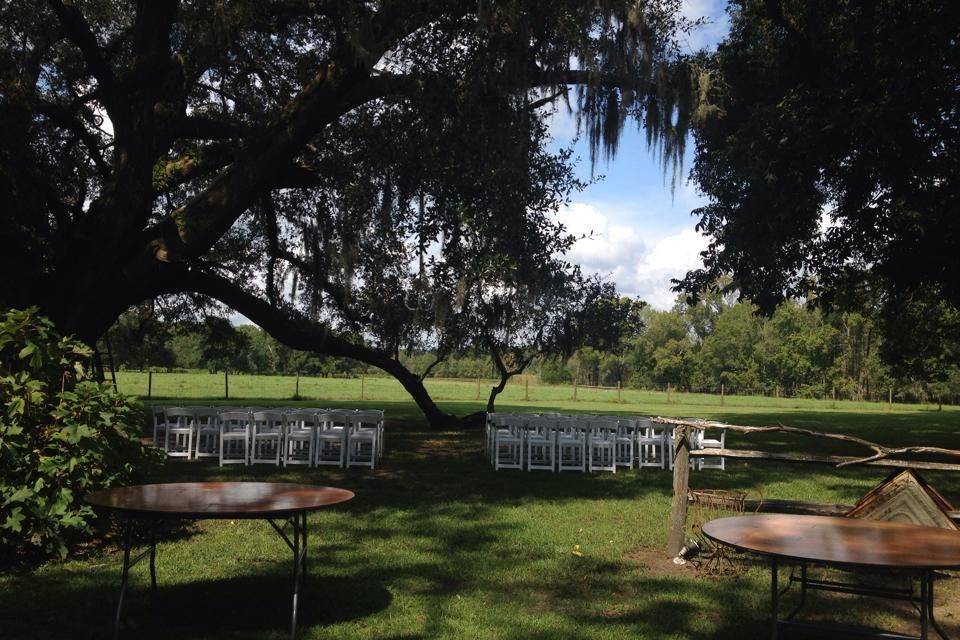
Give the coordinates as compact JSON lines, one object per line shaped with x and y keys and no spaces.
{"x":270,"y":501}
{"x":844,"y":543}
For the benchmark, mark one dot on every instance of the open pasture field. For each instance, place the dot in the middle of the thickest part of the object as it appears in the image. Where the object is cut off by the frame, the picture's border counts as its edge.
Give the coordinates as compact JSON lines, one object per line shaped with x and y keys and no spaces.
{"x":203,"y":385}
{"x":438,"y":545}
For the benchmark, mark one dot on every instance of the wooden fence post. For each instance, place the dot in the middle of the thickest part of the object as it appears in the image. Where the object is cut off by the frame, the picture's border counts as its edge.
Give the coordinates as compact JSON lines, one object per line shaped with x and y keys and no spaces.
{"x":619,"y":398}
{"x":526,"y":388}
{"x":226,"y":385}
{"x":668,"y":393}
{"x":681,"y":481}
{"x":296,"y":392}
{"x":890,"y":397}
{"x":478,"y":387}
{"x":149,"y":383}
{"x":722,"y":394}
{"x":574,"y":389}
{"x":362,"y":381}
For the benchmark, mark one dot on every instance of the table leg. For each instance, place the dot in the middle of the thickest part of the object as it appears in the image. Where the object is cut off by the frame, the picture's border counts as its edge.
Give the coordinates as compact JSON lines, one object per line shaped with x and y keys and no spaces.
{"x":124,"y":574}
{"x":803,"y":592}
{"x":933,"y":621}
{"x":153,"y":560}
{"x":306,"y":551}
{"x":126,"y":542}
{"x":299,"y":521}
{"x":774,"y":596}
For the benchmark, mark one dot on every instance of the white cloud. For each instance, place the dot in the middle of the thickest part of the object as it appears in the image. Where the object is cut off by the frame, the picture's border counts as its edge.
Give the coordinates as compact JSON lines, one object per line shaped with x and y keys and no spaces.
{"x":715,"y":27}
{"x":671,"y":257}
{"x":640,"y":262}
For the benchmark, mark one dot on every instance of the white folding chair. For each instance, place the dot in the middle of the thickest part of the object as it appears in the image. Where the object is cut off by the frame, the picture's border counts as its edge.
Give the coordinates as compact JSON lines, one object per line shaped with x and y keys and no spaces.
{"x":651,"y":445}
{"x":159,"y":426}
{"x":497,"y":421}
{"x":330,"y":440}
{"x":626,"y":443}
{"x":703,"y":442}
{"x":541,"y":435}
{"x":207,"y":434}
{"x":266,"y":437}
{"x":508,"y":443}
{"x":300,"y":432}
{"x":571,"y":444}
{"x":361,"y":444}
{"x":602,"y":445}
{"x":178,"y":436}
{"x":371,"y":419}
{"x":671,"y":437}
{"x":234,"y":437}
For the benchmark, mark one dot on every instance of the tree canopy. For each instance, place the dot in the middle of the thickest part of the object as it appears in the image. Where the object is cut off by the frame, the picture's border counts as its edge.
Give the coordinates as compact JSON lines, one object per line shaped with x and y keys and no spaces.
{"x":346,"y":175}
{"x":831,"y":157}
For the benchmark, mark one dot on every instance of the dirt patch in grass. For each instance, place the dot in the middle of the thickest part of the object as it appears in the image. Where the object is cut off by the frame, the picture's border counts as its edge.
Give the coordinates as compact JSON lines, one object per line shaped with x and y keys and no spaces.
{"x":655,"y":564}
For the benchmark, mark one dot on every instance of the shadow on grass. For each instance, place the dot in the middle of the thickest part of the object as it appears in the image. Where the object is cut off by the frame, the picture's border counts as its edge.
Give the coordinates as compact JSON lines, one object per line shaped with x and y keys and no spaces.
{"x":437,"y":544}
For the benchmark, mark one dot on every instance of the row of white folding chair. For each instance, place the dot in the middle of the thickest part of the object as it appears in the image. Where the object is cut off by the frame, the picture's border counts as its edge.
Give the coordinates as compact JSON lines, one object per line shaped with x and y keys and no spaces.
{"x":341,"y":438}
{"x":262,"y":433}
{"x":554,"y":442}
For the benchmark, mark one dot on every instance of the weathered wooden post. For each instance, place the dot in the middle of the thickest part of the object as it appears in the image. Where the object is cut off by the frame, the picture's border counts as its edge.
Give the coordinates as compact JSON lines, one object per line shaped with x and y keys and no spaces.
{"x":890,"y":397}
{"x":681,"y":481}
{"x":296,"y":391}
{"x":618,"y":392}
{"x":362,"y":383}
{"x":722,"y":394}
{"x":149,"y":383}
{"x":574,"y":389}
{"x":668,"y":393}
{"x":526,"y":388}
{"x":226,"y":385}
{"x":478,"y":387}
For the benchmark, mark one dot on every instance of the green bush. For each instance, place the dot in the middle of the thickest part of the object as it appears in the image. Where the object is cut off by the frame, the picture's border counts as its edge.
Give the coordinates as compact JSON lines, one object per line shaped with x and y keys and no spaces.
{"x":62,"y":435}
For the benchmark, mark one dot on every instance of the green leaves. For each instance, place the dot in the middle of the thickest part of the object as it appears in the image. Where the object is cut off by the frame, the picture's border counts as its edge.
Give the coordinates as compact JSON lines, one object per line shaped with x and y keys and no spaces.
{"x":55,"y":447}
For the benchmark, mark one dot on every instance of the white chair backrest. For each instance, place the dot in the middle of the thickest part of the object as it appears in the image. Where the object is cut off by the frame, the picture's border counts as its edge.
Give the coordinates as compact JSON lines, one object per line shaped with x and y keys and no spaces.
{"x":567,"y":425}
{"x":367,"y":419}
{"x":300,"y":419}
{"x":328,"y":420}
{"x":300,"y":415}
{"x":234,"y":420}
{"x":267,"y":421}
{"x":180,"y":416}
{"x":541,"y":425}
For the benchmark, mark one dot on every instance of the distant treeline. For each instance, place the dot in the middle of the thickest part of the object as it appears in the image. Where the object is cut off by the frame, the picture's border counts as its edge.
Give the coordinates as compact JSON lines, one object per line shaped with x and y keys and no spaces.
{"x":712,"y":346}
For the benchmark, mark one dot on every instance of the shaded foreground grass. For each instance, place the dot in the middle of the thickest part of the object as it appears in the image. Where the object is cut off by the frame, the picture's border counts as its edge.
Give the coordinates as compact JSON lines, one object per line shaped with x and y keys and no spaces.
{"x":438,"y":545}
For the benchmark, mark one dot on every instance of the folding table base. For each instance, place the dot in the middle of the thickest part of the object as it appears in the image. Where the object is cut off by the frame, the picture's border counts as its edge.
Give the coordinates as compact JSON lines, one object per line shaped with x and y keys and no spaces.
{"x":298,"y":545}
{"x":922,"y":601}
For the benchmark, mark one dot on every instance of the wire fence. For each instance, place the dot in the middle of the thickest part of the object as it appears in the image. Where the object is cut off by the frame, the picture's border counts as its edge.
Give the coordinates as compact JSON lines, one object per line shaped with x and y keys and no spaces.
{"x":521,"y":389}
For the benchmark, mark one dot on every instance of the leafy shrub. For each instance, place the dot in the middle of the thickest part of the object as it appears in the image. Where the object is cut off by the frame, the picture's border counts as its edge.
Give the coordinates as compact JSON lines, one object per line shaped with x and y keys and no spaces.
{"x":62,"y":435}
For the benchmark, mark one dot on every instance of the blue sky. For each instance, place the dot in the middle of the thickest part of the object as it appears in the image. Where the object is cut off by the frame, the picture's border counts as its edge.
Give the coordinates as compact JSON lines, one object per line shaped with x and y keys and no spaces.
{"x":639,"y":235}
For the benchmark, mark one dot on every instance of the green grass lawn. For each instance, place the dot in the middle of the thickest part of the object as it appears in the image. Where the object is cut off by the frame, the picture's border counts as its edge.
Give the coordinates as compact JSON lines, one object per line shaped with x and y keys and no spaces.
{"x":202,"y":385}
{"x":438,"y":545}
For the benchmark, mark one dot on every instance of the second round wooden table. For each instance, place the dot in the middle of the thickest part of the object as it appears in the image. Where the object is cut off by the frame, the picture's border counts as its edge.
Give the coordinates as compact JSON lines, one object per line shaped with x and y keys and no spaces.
{"x":845,"y":543}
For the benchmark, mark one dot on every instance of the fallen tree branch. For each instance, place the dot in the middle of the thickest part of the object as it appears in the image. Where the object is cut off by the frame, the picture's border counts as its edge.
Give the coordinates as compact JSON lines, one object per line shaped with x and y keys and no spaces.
{"x":879,"y":457}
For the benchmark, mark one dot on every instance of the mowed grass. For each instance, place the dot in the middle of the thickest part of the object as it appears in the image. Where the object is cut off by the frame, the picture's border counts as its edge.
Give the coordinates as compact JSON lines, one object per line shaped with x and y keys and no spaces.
{"x":202,"y":385}
{"x":438,"y":545}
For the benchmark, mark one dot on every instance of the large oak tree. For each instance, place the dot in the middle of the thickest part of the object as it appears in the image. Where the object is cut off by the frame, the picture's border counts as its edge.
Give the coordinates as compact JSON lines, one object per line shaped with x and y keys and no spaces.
{"x":287,"y":158}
